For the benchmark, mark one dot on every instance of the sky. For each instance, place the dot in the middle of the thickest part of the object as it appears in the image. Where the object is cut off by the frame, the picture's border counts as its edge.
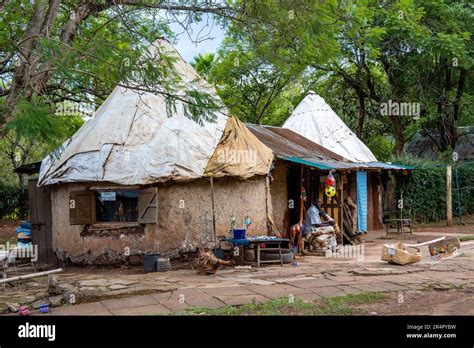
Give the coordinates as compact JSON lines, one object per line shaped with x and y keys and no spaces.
{"x":188,"y":48}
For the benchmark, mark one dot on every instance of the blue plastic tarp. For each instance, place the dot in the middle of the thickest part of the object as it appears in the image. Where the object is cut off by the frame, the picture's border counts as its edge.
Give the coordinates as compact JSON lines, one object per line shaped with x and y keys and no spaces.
{"x":361,"y":201}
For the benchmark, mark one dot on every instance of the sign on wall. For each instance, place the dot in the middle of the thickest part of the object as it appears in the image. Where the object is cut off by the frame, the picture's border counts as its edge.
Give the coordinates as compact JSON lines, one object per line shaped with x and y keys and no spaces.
{"x":108,"y":196}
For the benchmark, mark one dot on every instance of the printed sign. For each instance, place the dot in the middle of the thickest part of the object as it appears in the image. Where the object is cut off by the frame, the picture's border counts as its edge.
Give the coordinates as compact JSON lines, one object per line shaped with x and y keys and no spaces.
{"x":108,"y":196}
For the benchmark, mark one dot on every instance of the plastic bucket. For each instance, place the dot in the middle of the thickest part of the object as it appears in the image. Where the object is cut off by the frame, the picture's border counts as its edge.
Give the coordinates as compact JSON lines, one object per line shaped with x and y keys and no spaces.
{"x":149,"y":262}
{"x":219,"y":253}
{"x":239,"y":233}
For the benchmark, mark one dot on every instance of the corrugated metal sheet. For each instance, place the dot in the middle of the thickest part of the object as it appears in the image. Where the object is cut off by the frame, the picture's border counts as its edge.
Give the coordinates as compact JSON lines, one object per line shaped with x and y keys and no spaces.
{"x":307,"y":163}
{"x":391,"y":166}
{"x":290,"y":146}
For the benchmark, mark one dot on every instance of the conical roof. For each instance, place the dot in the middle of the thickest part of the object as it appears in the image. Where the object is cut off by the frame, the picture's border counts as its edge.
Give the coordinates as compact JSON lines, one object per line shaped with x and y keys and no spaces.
{"x":133,"y":138}
{"x":314,"y":119}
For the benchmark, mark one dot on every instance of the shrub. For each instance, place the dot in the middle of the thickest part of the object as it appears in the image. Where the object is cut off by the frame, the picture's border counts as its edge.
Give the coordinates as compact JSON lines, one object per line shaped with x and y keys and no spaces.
{"x":424,"y":191}
{"x":13,"y":202}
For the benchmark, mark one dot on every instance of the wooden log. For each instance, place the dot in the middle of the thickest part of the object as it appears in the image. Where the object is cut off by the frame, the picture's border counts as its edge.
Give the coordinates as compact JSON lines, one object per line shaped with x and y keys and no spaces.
{"x":32,"y":275}
{"x":425,"y":243}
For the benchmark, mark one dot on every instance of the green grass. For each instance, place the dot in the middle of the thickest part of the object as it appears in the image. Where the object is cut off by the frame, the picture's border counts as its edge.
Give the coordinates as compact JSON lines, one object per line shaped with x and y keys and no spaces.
{"x":466,"y":237}
{"x":341,"y":305}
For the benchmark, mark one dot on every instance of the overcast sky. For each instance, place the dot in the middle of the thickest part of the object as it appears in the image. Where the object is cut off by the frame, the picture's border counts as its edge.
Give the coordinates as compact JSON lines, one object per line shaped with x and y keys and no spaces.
{"x":186,"y":45}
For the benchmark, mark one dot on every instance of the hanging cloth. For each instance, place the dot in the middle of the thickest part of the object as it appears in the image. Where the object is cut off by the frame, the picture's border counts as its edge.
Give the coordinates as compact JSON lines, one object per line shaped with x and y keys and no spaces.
{"x":361,"y":201}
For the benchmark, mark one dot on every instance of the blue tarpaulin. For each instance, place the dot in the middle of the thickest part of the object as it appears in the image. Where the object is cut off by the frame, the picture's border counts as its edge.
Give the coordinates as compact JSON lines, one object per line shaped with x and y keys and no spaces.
{"x":362,"y":201}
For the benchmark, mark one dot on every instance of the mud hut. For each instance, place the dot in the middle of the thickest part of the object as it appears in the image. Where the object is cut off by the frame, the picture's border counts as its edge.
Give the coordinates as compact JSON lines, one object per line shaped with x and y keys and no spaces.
{"x":137,"y":179}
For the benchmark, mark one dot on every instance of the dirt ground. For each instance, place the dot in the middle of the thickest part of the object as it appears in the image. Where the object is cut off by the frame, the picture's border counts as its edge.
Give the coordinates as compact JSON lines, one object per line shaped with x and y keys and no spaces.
{"x":428,"y":287}
{"x":7,"y":231}
{"x":430,"y":302}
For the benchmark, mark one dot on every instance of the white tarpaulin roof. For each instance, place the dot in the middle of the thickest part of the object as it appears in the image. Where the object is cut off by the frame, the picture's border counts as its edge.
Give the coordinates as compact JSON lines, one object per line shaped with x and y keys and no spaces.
{"x":314,"y":119}
{"x":133,"y":140}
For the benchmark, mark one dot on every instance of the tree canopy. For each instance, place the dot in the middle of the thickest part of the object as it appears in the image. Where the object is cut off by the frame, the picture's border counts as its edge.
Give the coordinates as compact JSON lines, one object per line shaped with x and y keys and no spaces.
{"x":59,"y":59}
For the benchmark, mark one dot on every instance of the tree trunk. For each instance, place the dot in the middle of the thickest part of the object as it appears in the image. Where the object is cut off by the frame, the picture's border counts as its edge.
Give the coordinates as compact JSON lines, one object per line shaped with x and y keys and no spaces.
{"x":361,"y":120}
{"x":399,"y":136}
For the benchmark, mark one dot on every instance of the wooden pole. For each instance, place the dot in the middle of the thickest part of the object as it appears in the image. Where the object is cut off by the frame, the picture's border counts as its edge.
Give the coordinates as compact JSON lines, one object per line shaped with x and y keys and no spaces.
{"x":28,"y":276}
{"x":213,"y":211}
{"x":340,"y":215}
{"x":449,"y":198}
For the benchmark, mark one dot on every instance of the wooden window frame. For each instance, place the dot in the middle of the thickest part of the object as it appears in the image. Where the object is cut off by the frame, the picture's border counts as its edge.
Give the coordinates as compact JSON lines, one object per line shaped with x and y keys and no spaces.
{"x":147,"y":205}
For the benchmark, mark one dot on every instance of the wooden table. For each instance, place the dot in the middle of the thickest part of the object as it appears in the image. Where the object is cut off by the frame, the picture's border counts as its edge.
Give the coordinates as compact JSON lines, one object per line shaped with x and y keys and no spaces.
{"x":270,"y":244}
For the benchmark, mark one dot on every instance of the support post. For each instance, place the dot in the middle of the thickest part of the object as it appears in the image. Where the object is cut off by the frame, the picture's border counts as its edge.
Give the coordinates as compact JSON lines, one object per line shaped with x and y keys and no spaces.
{"x":458,"y":196}
{"x":213,"y":212}
{"x":449,"y":198}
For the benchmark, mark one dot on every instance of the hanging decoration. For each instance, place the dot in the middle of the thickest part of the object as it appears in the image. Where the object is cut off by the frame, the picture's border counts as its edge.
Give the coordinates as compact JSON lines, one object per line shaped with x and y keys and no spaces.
{"x":330,"y":189}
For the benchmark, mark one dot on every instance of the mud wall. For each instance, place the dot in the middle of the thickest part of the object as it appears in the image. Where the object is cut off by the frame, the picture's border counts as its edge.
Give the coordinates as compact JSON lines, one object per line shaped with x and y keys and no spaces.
{"x":184,"y":221}
{"x":103,"y":248}
{"x":185,"y":211}
{"x":279,"y":194}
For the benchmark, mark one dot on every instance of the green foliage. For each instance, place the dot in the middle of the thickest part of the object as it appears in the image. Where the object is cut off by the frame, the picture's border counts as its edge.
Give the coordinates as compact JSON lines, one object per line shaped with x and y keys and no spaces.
{"x":424,"y":191}
{"x":13,"y":202}
{"x":408,"y":51}
{"x":35,"y":120}
{"x":203,"y":64}
{"x":381,"y":147}
{"x":339,"y":305}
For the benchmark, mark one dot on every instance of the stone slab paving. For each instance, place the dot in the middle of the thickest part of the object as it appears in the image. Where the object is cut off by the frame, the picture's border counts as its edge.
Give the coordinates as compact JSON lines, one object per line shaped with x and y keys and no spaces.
{"x":161,"y":296}
{"x":156,"y":309}
{"x":244,"y":299}
{"x":310,"y":296}
{"x":174,"y":305}
{"x":204,"y":300}
{"x":313,"y":279}
{"x":276,"y":291}
{"x":309,"y":284}
{"x":129,"y":302}
{"x":328,"y":291}
{"x":228,"y":291}
{"x":95,"y":308}
{"x":347,"y":289}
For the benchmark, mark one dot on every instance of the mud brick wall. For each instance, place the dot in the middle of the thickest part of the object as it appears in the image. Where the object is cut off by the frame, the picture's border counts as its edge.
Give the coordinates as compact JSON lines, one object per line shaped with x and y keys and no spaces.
{"x":184,"y":221}
{"x":279,"y":193}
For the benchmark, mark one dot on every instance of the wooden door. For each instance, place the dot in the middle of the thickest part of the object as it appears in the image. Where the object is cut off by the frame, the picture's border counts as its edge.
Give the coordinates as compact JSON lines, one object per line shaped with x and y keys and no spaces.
{"x":41,"y":222}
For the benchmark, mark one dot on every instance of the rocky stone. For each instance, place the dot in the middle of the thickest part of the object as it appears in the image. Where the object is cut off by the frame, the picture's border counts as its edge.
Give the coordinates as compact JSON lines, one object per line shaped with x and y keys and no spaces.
{"x":442,"y":286}
{"x":53,"y":288}
{"x":117,"y":287}
{"x":72,"y":297}
{"x":12,"y":306}
{"x":66,"y":287}
{"x":123,"y":281}
{"x":95,"y":282}
{"x":89,"y":291}
{"x":57,"y":301}
{"x":29,"y":300}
